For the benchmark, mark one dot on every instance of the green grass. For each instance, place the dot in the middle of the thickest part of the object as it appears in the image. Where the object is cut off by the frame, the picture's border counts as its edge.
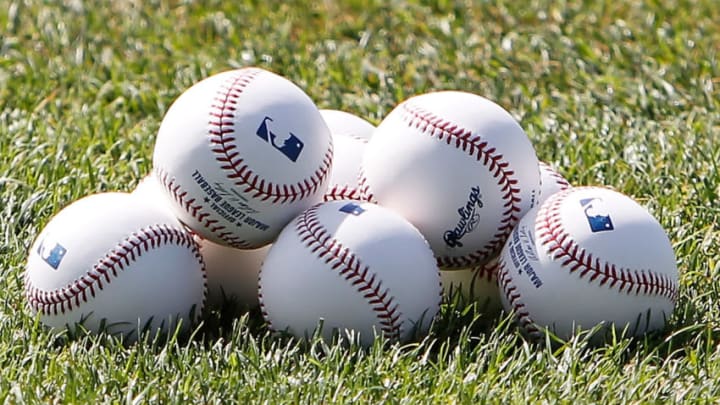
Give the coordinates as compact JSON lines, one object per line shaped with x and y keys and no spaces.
{"x":618,"y":93}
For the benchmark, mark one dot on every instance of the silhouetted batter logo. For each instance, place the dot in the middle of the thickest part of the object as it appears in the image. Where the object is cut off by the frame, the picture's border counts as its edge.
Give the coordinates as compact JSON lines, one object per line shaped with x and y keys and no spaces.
{"x":290,"y":145}
{"x":51,"y":252}
{"x":352,"y":208}
{"x":597,"y":214}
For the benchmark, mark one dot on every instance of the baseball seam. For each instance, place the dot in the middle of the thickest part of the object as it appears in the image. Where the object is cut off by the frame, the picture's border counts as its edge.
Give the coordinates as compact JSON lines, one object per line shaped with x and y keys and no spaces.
{"x":366,"y":193}
{"x":487,"y":272}
{"x":557,"y":177}
{"x":84,"y":288}
{"x":196,"y":210}
{"x":312,"y":233}
{"x":221,"y":133}
{"x":474,"y":145}
{"x":344,"y":192}
{"x":560,"y":245}
{"x":511,"y":293}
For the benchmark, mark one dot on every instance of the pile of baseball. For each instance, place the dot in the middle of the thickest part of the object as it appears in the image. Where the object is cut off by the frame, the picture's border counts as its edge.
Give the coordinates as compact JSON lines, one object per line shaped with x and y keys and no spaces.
{"x":332,"y":225}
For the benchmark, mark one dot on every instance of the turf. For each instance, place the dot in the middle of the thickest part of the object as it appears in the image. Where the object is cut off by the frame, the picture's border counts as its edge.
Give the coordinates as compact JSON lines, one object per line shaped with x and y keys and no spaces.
{"x":614,"y":93}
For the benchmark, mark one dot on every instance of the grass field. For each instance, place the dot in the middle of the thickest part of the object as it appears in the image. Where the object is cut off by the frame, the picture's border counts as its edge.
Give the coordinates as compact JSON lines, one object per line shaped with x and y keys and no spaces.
{"x":625,"y":94}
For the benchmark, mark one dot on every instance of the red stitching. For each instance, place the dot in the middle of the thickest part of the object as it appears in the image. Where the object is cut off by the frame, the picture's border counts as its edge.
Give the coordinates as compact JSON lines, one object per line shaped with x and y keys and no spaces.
{"x":221,"y":133}
{"x":562,"y":247}
{"x":364,"y":188}
{"x":514,"y":299}
{"x":197,"y":211}
{"x":349,"y":266}
{"x":559,"y":179}
{"x":488,"y":271}
{"x":263,"y":310}
{"x":80,"y":290}
{"x":475,"y":146}
{"x":342,"y":193}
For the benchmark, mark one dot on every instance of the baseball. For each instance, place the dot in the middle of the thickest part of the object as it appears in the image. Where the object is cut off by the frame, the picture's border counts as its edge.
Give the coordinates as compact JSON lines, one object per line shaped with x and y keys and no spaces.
{"x":350,"y":266}
{"x":113,"y":263}
{"x":350,"y":135}
{"x":588,"y":256}
{"x":240,"y":154}
{"x":551,"y":182}
{"x":480,"y":283}
{"x":151,"y":191}
{"x":477,"y":284}
{"x":459,"y":167}
{"x":342,"y":123}
{"x":232,"y":274}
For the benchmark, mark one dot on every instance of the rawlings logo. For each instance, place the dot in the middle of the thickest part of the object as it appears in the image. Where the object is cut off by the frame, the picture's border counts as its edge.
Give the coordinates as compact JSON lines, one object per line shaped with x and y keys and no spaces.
{"x":469,"y":219}
{"x":290,"y":146}
{"x":597,"y":214}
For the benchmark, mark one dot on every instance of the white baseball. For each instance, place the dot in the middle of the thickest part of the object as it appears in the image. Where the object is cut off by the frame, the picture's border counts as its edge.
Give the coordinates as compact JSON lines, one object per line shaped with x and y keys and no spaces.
{"x":551,"y":182}
{"x":350,"y":265}
{"x":478,"y":284}
{"x":241,"y":153}
{"x":457,"y":166}
{"x":232,"y":274}
{"x":350,"y":135}
{"x":113,"y":263}
{"x":342,"y":123}
{"x":588,"y":256}
{"x":151,"y":191}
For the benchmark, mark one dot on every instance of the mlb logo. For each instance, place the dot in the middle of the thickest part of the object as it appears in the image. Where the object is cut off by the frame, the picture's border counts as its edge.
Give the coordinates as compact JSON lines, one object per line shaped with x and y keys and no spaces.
{"x":290,"y":146}
{"x":597,"y":214}
{"x":52,"y":253}
{"x":352,"y":208}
